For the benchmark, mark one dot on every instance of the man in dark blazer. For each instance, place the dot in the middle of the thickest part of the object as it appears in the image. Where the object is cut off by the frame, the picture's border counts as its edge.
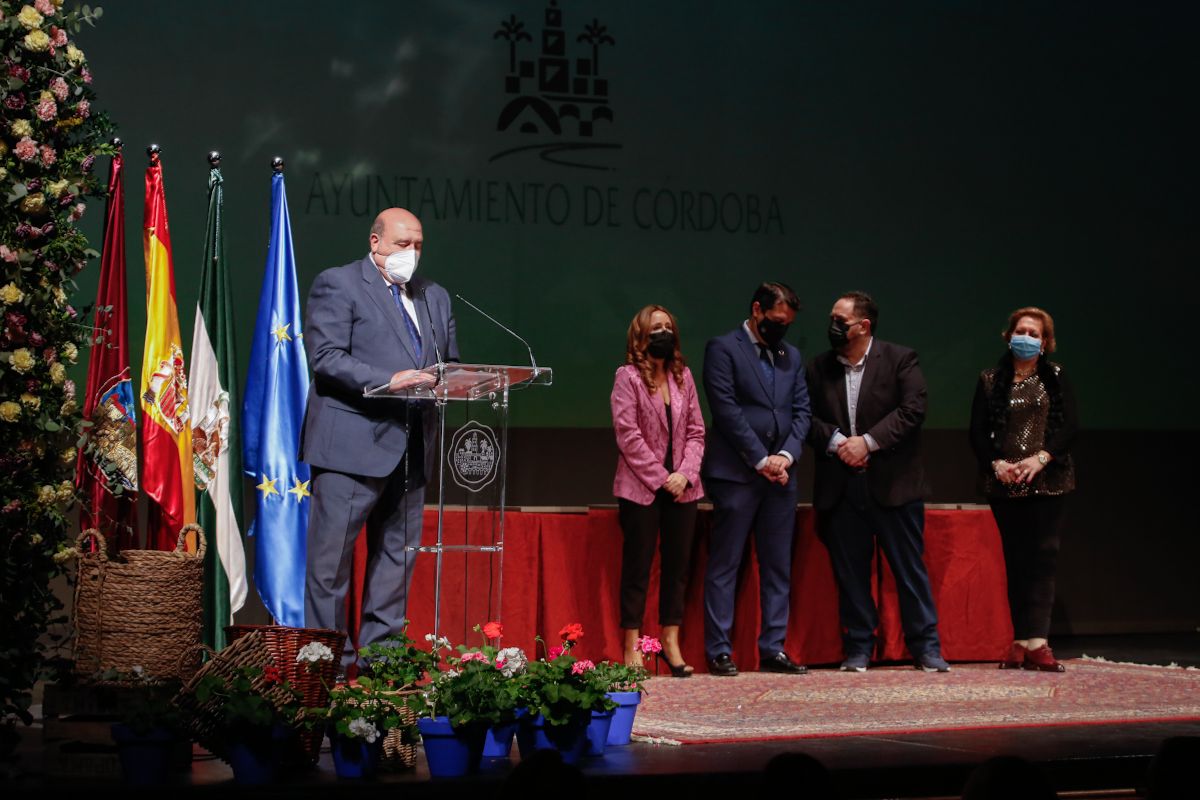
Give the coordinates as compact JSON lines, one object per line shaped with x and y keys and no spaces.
{"x":868,"y":401}
{"x":370,"y":323}
{"x":759,"y":404}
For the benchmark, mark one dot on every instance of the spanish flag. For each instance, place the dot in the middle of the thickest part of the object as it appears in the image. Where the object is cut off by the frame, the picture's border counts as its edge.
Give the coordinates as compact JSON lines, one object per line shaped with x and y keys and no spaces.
{"x":167,"y":477}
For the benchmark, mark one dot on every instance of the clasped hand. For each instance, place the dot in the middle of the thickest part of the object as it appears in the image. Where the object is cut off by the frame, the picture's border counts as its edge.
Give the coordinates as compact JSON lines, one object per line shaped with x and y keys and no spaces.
{"x":676,"y":483}
{"x":854,"y":452}
{"x":775,"y":470}
{"x":1022,"y":471}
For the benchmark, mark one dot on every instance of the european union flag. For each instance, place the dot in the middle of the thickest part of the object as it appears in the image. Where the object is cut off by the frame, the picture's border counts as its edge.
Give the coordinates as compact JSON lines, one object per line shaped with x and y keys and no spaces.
{"x":272,"y":416}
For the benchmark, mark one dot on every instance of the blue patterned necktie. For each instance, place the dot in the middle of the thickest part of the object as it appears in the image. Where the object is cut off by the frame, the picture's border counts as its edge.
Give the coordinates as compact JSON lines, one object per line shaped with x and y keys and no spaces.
{"x":768,"y":369}
{"x":413,"y":333}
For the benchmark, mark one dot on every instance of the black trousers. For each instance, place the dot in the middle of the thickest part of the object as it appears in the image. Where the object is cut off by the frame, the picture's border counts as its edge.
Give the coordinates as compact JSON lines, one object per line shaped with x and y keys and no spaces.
{"x":1030,"y":530}
{"x":641,"y":526}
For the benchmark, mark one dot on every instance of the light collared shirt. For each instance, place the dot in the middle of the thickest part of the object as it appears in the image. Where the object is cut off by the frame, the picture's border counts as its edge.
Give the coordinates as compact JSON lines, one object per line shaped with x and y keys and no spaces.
{"x":409,"y":306}
{"x":854,"y":376}
{"x":770,"y":357}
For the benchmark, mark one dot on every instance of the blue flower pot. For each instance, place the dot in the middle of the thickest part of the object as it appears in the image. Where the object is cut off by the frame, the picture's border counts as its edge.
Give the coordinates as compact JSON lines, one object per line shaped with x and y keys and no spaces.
{"x":450,"y":752}
{"x":355,"y":758}
{"x":499,"y":740}
{"x":568,"y":739}
{"x":256,"y":754}
{"x":145,"y":758}
{"x":597,"y":732}
{"x":622,"y":722}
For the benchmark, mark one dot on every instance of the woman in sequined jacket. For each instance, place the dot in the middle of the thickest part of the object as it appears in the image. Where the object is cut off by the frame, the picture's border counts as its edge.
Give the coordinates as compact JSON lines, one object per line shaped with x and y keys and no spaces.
{"x":1023,"y":421}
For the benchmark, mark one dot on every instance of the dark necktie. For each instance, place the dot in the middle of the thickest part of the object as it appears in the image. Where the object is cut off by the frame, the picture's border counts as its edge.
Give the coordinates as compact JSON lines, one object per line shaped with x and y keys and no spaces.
{"x":768,"y":369}
{"x":413,"y":333}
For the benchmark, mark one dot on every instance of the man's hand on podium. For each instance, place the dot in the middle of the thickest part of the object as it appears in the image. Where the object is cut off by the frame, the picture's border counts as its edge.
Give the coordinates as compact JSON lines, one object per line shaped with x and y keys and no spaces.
{"x":410,"y":379}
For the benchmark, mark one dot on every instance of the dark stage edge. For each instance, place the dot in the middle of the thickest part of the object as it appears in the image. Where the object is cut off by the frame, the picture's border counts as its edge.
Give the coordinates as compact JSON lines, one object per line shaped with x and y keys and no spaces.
{"x":1091,"y":759}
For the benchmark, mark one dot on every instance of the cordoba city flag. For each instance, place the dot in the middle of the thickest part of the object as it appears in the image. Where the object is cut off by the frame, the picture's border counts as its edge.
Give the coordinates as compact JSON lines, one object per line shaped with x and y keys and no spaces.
{"x":167,"y":476}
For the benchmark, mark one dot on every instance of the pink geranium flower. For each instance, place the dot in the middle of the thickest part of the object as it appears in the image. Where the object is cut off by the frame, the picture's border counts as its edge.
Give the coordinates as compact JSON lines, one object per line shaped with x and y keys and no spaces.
{"x":649,"y":645}
{"x":555,"y":652}
{"x":473,"y":656}
{"x":581,"y":666}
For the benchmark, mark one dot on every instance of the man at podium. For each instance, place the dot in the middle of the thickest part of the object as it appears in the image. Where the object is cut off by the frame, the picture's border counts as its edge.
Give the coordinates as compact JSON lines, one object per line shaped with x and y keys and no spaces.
{"x":369,"y":323}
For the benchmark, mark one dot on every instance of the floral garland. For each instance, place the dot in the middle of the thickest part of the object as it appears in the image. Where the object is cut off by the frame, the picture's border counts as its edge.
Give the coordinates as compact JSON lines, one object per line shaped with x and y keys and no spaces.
{"x":49,"y":140}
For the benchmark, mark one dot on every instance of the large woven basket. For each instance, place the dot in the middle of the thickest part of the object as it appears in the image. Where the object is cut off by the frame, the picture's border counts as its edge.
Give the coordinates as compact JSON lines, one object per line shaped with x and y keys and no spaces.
{"x":142,"y":608}
{"x":283,"y":644}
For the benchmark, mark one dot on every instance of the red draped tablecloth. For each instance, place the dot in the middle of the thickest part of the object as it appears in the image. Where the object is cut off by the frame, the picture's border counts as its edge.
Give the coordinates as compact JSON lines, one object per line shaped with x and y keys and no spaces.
{"x":565,"y":567}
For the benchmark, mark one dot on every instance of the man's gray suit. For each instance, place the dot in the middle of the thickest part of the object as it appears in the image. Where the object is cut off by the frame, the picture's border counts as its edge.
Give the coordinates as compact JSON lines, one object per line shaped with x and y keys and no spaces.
{"x":368,"y":455}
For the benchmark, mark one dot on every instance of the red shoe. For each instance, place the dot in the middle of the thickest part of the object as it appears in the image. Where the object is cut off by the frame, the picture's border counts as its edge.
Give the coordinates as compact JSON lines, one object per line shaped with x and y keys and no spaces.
{"x":1042,"y":660}
{"x":1015,"y":658}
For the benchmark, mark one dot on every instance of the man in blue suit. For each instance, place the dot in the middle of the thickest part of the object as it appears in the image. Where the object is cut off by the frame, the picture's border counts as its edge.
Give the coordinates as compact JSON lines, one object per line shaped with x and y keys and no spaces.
{"x":760,"y":416}
{"x":369,"y":323}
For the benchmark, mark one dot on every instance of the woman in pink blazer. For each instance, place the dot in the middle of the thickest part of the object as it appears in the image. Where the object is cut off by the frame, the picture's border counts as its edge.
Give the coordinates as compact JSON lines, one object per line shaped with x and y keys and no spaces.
{"x":660,"y":436}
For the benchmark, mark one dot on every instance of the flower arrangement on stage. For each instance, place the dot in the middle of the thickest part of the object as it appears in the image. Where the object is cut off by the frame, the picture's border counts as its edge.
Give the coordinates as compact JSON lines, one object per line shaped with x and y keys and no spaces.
{"x":397,"y":663}
{"x":482,"y":686}
{"x":621,"y":677}
{"x":50,"y":136}
{"x":249,"y":696}
{"x":562,"y":687}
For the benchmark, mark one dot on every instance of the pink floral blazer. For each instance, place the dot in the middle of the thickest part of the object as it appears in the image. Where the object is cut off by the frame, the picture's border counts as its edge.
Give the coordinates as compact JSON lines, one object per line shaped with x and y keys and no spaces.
{"x":640,"y":423}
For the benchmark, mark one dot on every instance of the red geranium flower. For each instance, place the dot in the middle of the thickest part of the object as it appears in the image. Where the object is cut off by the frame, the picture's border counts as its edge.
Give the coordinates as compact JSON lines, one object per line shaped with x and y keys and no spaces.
{"x":493,"y":630}
{"x":572,"y":632}
{"x":271,"y":674}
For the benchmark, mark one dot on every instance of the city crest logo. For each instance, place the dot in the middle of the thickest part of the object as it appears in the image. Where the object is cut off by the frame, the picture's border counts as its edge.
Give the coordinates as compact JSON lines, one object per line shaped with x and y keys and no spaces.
{"x":561,"y":97}
{"x":474,"y":456}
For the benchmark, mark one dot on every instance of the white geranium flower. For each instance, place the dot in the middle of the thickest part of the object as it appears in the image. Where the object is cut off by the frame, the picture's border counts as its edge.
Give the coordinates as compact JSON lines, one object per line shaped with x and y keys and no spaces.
{"x":361,"y":729}
{"x":438,"y":641}
{"x":314,"y":652}
{"x":514,"y":660}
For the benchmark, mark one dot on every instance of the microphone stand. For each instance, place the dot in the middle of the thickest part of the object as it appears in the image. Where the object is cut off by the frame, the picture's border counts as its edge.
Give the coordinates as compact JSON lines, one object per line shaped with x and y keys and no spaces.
{"x":506,"y":329}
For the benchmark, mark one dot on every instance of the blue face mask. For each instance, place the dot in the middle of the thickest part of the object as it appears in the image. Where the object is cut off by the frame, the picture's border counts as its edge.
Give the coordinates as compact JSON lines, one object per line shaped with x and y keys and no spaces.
{"x":1025,"y":347}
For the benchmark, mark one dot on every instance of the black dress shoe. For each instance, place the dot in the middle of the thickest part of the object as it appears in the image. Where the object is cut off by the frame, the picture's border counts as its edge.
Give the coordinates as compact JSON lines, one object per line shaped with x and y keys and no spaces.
{"x":780,"y":663}
{"x":722,"y":665}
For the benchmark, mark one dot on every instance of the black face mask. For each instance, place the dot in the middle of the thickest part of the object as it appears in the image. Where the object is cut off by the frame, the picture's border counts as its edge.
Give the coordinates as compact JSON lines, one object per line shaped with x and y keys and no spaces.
{"x":662,"y":344}
{"x":772,"y":332}
{"x":838,"y":333}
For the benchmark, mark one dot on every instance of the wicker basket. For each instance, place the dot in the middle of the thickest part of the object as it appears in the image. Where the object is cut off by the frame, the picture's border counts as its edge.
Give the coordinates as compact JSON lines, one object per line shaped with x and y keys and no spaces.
{"x":283,"y":644}
{"x":142,"y":608}
{"x":400,"y":745}
{"x":205,"y":721}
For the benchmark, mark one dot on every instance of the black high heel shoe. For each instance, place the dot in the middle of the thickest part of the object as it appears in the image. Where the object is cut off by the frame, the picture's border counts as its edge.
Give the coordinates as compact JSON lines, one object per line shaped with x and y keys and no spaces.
{"x":677,"y":670}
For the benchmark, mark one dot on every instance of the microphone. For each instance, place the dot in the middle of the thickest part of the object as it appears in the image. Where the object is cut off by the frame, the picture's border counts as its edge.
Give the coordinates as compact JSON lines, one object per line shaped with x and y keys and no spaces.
{"x":441,"y":367}
{"x":505,"y":328}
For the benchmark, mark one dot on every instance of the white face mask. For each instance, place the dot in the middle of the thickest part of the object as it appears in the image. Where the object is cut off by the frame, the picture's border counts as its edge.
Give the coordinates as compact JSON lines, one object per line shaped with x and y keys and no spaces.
{"x":401,"y":265}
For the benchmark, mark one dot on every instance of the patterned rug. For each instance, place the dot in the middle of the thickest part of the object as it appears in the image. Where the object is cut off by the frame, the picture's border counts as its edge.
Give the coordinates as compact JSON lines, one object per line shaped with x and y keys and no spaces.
{"x":826,"y":702}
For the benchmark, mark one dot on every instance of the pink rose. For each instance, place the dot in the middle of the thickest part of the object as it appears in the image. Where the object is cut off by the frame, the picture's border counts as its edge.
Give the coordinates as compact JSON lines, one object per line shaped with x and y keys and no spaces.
{"x":26,"y":149}
{"x":86,"y":75}
{"x":69,"y":386}
{"x":48,"y":155}
{"x":83,"y":109}
{"x":47,"y":110}
{"x":77,"y":212}
{"x":58,"y":37}
{"x":581,"y":666}
{"x":555,"y":652}
{"x":44,"y":7}
{"x":7,"y":255}
{"x":58,"y":87}
{"x":19,"y":72}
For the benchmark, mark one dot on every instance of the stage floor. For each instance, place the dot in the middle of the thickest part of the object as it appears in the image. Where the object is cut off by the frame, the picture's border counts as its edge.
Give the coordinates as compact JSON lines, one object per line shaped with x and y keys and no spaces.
{"x":1078,"y":758}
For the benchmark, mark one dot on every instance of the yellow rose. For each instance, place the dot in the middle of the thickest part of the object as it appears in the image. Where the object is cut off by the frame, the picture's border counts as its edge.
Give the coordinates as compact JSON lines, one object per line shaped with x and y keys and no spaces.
{"x":66,"y":490}
{"x":56,"y":188}
{"x":75,"y":56}
{"x":68,"y":408}
{"x":31,"y":401}
{"x":3,"y":173}
{"x":9,"y":411}
{"x":35,"y":539}
{"x":47,"y":495}
{"x":58,"y":373}
{"x":21,"y":360}
{"x":70,"y":352}
{"x":10,"y":294}
{"x":21,"y":128}
{"x":33,"y":203}
{"x":60,"y":297}
{"x":68,"y":455}
{"x":37,"y":41}
{"x":30,"y":18}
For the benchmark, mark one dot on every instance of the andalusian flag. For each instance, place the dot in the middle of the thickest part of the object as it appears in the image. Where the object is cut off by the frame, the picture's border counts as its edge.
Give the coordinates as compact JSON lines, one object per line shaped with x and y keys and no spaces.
{"x":217,"y":457}
{"x":107,"y":470}
{"x":166,"y":432}
{"x":276,"y":391}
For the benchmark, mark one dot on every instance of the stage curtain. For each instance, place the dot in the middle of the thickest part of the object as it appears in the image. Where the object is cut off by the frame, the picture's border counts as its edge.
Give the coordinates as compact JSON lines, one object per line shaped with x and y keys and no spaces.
{"x":565,"y":567}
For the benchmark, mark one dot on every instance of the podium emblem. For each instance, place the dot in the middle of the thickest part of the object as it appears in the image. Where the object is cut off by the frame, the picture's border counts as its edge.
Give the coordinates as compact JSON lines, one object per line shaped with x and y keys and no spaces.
{"x":474,"y":456}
